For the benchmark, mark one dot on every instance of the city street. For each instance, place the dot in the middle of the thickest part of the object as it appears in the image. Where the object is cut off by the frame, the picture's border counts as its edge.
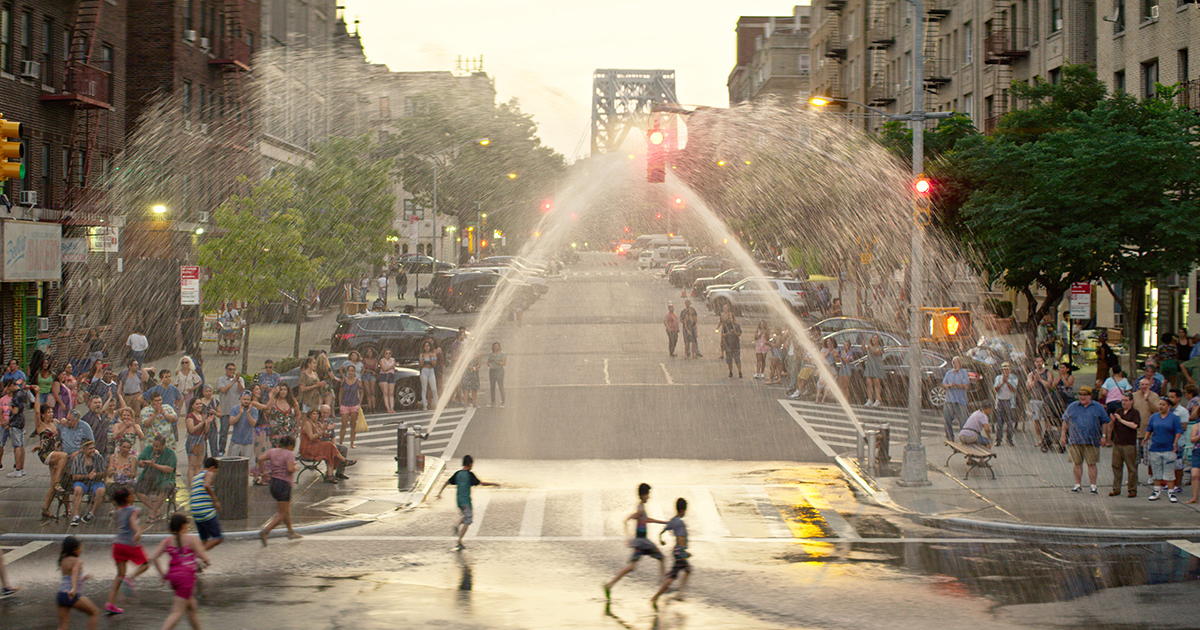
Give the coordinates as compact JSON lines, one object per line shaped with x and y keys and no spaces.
{"x":780,"y":536}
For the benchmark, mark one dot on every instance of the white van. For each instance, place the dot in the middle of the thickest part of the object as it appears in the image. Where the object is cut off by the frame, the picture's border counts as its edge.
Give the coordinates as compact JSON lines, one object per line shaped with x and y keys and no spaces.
{"x":662,"y":255}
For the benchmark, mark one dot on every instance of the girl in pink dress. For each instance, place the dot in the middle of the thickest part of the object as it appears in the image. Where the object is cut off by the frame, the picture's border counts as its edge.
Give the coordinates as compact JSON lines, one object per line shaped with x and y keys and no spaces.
{"x":184,"y":549}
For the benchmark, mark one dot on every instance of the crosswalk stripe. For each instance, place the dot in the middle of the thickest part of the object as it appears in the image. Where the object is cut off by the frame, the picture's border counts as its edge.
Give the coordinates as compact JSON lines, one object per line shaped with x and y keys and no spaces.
{"x":593,"y":517}
{"x":840,"y":525}
{"x":24,"y":550}
{"x":707,"y":513}
{"x":479,"y":505}
{"x":535,"y":511}
{"x":775,"y":525}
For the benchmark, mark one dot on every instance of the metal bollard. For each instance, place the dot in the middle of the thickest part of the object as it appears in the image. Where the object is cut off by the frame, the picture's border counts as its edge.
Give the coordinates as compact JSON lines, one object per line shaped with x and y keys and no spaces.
{"x":401,"y":448}
{"x":861,"y":451}
{"x":410,"y":438}
{"x":872,"y":463}
{"x":885,"y":445}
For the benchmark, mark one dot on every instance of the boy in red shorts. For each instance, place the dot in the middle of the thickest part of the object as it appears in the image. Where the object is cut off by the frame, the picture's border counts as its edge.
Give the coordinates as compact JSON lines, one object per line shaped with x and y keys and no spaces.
{"x":125,"y":547}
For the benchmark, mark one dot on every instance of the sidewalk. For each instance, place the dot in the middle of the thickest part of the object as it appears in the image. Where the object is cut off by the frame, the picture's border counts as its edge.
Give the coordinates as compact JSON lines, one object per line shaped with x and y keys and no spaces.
{"x":1031,"y":497}
{"x":316,"y":506}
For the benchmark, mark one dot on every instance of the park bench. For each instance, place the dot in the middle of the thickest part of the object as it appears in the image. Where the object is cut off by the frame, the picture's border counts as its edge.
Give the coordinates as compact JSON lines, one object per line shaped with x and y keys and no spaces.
{"x":976,"y":456}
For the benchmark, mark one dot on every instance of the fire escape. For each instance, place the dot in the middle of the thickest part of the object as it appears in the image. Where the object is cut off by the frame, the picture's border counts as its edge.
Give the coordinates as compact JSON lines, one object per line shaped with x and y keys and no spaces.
{"x":87,"y":89}
{"x":881,"y":35}
{"x":1004,"y":46}
{"x":829,"y":65}
{"x":232,"y":57}
{"x":937,"y":69}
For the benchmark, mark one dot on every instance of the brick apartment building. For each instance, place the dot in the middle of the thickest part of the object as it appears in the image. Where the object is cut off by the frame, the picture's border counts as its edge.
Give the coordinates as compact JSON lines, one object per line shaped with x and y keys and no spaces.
{"x":62,"y":75}
{"x":773,"y":59}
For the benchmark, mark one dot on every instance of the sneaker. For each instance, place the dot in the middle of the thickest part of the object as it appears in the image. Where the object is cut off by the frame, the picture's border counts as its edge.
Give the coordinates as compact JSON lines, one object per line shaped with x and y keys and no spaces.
{"x":87,"y":518}
{"x":1154,"y":497}
{"x":794,"y":396}
{"x":1093,"y":489}
{"x":16,"y":473}
{"x":1077,"y":488}
{"x":1176,"y":490}
{"x":113,"y":610}
{"x":74,"y":521}
{"x":1173,"y":498}
{"x":7,"y":592}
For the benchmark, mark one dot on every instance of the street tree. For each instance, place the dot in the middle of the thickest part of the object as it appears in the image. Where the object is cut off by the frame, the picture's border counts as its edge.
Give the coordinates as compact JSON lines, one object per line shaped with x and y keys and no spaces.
{"x":257,"y":251}
{"x":1080,"y":186}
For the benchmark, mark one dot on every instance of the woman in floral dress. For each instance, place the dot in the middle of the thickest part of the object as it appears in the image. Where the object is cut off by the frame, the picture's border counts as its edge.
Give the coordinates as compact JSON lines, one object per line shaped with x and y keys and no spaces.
{"x":283,"y":416}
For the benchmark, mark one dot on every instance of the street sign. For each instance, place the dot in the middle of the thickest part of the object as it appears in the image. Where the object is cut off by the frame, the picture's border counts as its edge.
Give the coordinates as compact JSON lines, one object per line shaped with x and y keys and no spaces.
{"x":189,"y":285}
{"x":866,"y":258}
{"x":1081,"y":300}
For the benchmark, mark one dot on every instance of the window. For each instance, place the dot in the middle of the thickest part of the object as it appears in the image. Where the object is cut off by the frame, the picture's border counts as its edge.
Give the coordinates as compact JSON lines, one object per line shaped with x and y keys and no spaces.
{"x":5,"y":41}
{"x":908,"y":68}
{"x":47,"y":52}
{"x":1149,"y":10}
{"x":106,"y":58}
{"x":185,"y":99}
{"x":66,"y":162}
{"x":1118,"y":16}
{"x":1181,"y":64}
{"x":850,"y":26}
{"x":45,"y":175}
{"x":968,"y":106}
{"x":805,"y":64}
{"x":968,"y":43}
{"x":415,"y":325}
{"x":1119,"y":82}
{"x":1034,"y":20}
{"x":1149,"y":78}
{"x":66,"y":44}
{"x":26,"y":35}
{"x":203,"y":105}
{"x":1054,"y":75}
{"x":188,"y":12}
{"x":1056,"y":22}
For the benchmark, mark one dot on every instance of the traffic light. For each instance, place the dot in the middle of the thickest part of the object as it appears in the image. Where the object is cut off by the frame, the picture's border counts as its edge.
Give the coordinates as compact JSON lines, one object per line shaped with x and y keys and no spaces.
{"x":946,"y":324}
{"x":677,"y":202}
{"x":547,"y":206}
{"x":11,"y":147}
{"x":656,"y":156}
{"x":922,"y":188}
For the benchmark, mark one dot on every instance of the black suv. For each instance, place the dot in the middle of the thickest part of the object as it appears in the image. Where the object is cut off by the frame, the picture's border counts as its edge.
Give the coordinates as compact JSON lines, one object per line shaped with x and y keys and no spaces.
{"x":399,"y":332}
{"x":462,"y":290}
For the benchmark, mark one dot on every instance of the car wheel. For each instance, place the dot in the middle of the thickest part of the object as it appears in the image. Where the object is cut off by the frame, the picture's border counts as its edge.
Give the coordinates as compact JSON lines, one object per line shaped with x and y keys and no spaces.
{"x":450,"y":308}
{"x":936,"y":395}
{"x":407,"y":394}
{"x":468,"y":305}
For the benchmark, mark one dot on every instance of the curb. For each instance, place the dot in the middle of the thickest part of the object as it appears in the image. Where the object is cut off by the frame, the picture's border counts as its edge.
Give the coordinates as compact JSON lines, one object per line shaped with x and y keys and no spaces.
{"x":426,"y":481}
{"x":1025,"y":531}
{"x":316,"y":528}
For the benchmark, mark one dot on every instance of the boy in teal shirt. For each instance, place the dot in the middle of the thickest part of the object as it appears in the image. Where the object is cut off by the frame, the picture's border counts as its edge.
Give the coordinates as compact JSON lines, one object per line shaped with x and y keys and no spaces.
{"x":464,"y":479}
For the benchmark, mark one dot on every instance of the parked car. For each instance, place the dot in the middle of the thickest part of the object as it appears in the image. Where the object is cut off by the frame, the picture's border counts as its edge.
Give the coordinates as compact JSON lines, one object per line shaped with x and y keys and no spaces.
{"x":684,"y":260}
{"x":685,"y":275}
{"x":408,"y":381}
{"x":834,"y":324}
{"x":895,"y":379}
{"x":757,"y":294}
{"x":858,"y":338}
{"x":400,"y":332}
{"x":424,"y":264}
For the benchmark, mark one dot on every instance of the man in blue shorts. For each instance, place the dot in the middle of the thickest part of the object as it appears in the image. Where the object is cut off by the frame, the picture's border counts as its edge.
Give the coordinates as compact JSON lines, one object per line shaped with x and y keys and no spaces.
{"x":87,"y":477}
{"x":680,"y":552}
{"x":204,"y":504}
{"x":463,"y":480}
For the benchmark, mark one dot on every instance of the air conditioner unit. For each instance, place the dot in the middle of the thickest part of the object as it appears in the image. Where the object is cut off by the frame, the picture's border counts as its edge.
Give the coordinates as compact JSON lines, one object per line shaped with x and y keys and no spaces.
{"x":43,"y":324}
{"x":205,"y":217}
{"x":29,"y":197}
{"x":1153,"y":15}
{"x":68,"y":320}
{"x":189,"y":36}
{"x":31,"y":70}
{"x":204,"y":43}
{"x":204,"y":128}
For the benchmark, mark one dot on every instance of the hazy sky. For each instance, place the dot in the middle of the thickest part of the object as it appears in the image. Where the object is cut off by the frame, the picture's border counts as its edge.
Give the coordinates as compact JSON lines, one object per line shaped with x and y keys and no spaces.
{"x":543,"y":52}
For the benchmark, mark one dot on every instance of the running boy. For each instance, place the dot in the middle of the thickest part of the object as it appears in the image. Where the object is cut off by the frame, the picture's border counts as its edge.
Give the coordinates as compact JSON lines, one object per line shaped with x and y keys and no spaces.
{"x":679,"y":530}
{"x":204,"y":504}
{"x":126,"y":547}
{"x":641,"y":545}
{"x":464,"y":479}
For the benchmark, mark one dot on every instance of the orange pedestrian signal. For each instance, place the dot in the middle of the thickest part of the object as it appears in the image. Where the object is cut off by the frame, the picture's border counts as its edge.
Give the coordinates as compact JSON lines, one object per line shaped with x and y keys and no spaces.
{"x":952,"y":325}
{"x":946,"y":323}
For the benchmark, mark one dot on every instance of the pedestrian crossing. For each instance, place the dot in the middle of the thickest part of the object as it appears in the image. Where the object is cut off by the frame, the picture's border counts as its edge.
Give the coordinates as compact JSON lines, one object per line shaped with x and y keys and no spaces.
{"x":714,"y":513}
{"x":442,"y":440}
{"x":835,"y":434}
{"x":578,"y":274}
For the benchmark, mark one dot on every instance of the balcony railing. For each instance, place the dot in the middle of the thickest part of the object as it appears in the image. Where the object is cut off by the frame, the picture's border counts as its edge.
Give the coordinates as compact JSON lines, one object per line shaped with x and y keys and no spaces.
{"x":1189,"y":95}
{"x":882,"y":94}
{"x":86,"y":86}
{"x":937,"y":72}
{"x":233,"y":51}
{"x":937,"y":9}
{"x":881,"y":35}
{"x":1006,"y":45}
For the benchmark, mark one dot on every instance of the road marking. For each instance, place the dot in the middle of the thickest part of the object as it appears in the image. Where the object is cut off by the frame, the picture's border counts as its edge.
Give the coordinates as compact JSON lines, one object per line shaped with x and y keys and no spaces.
{"x":707,"y":513}
{"x":774,"y":522}
{"x":535,"y":512}
{"x":837,"y":523}
{"x":459,"y":430}
{"x":593,"y":514}
{"x":670,"y":381}
{"x":1188,"y":546}
{"x":787,"y":541}
{"x":607,"y":381}
{"x":812,"y":433}
{"x":478,"y":508}
{"x":24,"y":550}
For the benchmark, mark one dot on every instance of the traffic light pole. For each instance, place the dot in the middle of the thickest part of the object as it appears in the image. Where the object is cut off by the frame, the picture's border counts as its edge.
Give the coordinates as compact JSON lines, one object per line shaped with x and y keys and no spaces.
{"x":914,"y":472}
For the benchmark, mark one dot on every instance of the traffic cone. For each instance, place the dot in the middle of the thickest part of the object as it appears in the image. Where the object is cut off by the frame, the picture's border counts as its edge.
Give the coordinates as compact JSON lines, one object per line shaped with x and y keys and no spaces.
{"x":683,"y":293}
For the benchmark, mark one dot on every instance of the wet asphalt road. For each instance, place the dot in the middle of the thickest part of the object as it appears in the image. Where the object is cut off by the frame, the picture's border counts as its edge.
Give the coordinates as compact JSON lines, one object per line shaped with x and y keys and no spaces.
{"x":779,"y":539}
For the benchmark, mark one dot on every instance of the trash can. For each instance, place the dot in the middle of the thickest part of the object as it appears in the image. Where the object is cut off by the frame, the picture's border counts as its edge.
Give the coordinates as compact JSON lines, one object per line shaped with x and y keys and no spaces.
{"x":231,"y":488}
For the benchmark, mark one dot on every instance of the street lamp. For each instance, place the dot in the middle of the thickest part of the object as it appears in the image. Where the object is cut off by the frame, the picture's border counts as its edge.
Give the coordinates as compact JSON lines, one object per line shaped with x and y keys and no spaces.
{"x":914,"y":472}
{"x":483,"y":142}
{"x":159,"y":209}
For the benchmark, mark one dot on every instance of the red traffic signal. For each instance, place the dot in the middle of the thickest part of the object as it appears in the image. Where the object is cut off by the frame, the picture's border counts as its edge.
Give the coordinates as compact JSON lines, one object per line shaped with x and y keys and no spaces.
{"x":922,"y":186}
{"x":678,"y":201}
{"x":547,"y":206}
{"x":656,"y":156}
